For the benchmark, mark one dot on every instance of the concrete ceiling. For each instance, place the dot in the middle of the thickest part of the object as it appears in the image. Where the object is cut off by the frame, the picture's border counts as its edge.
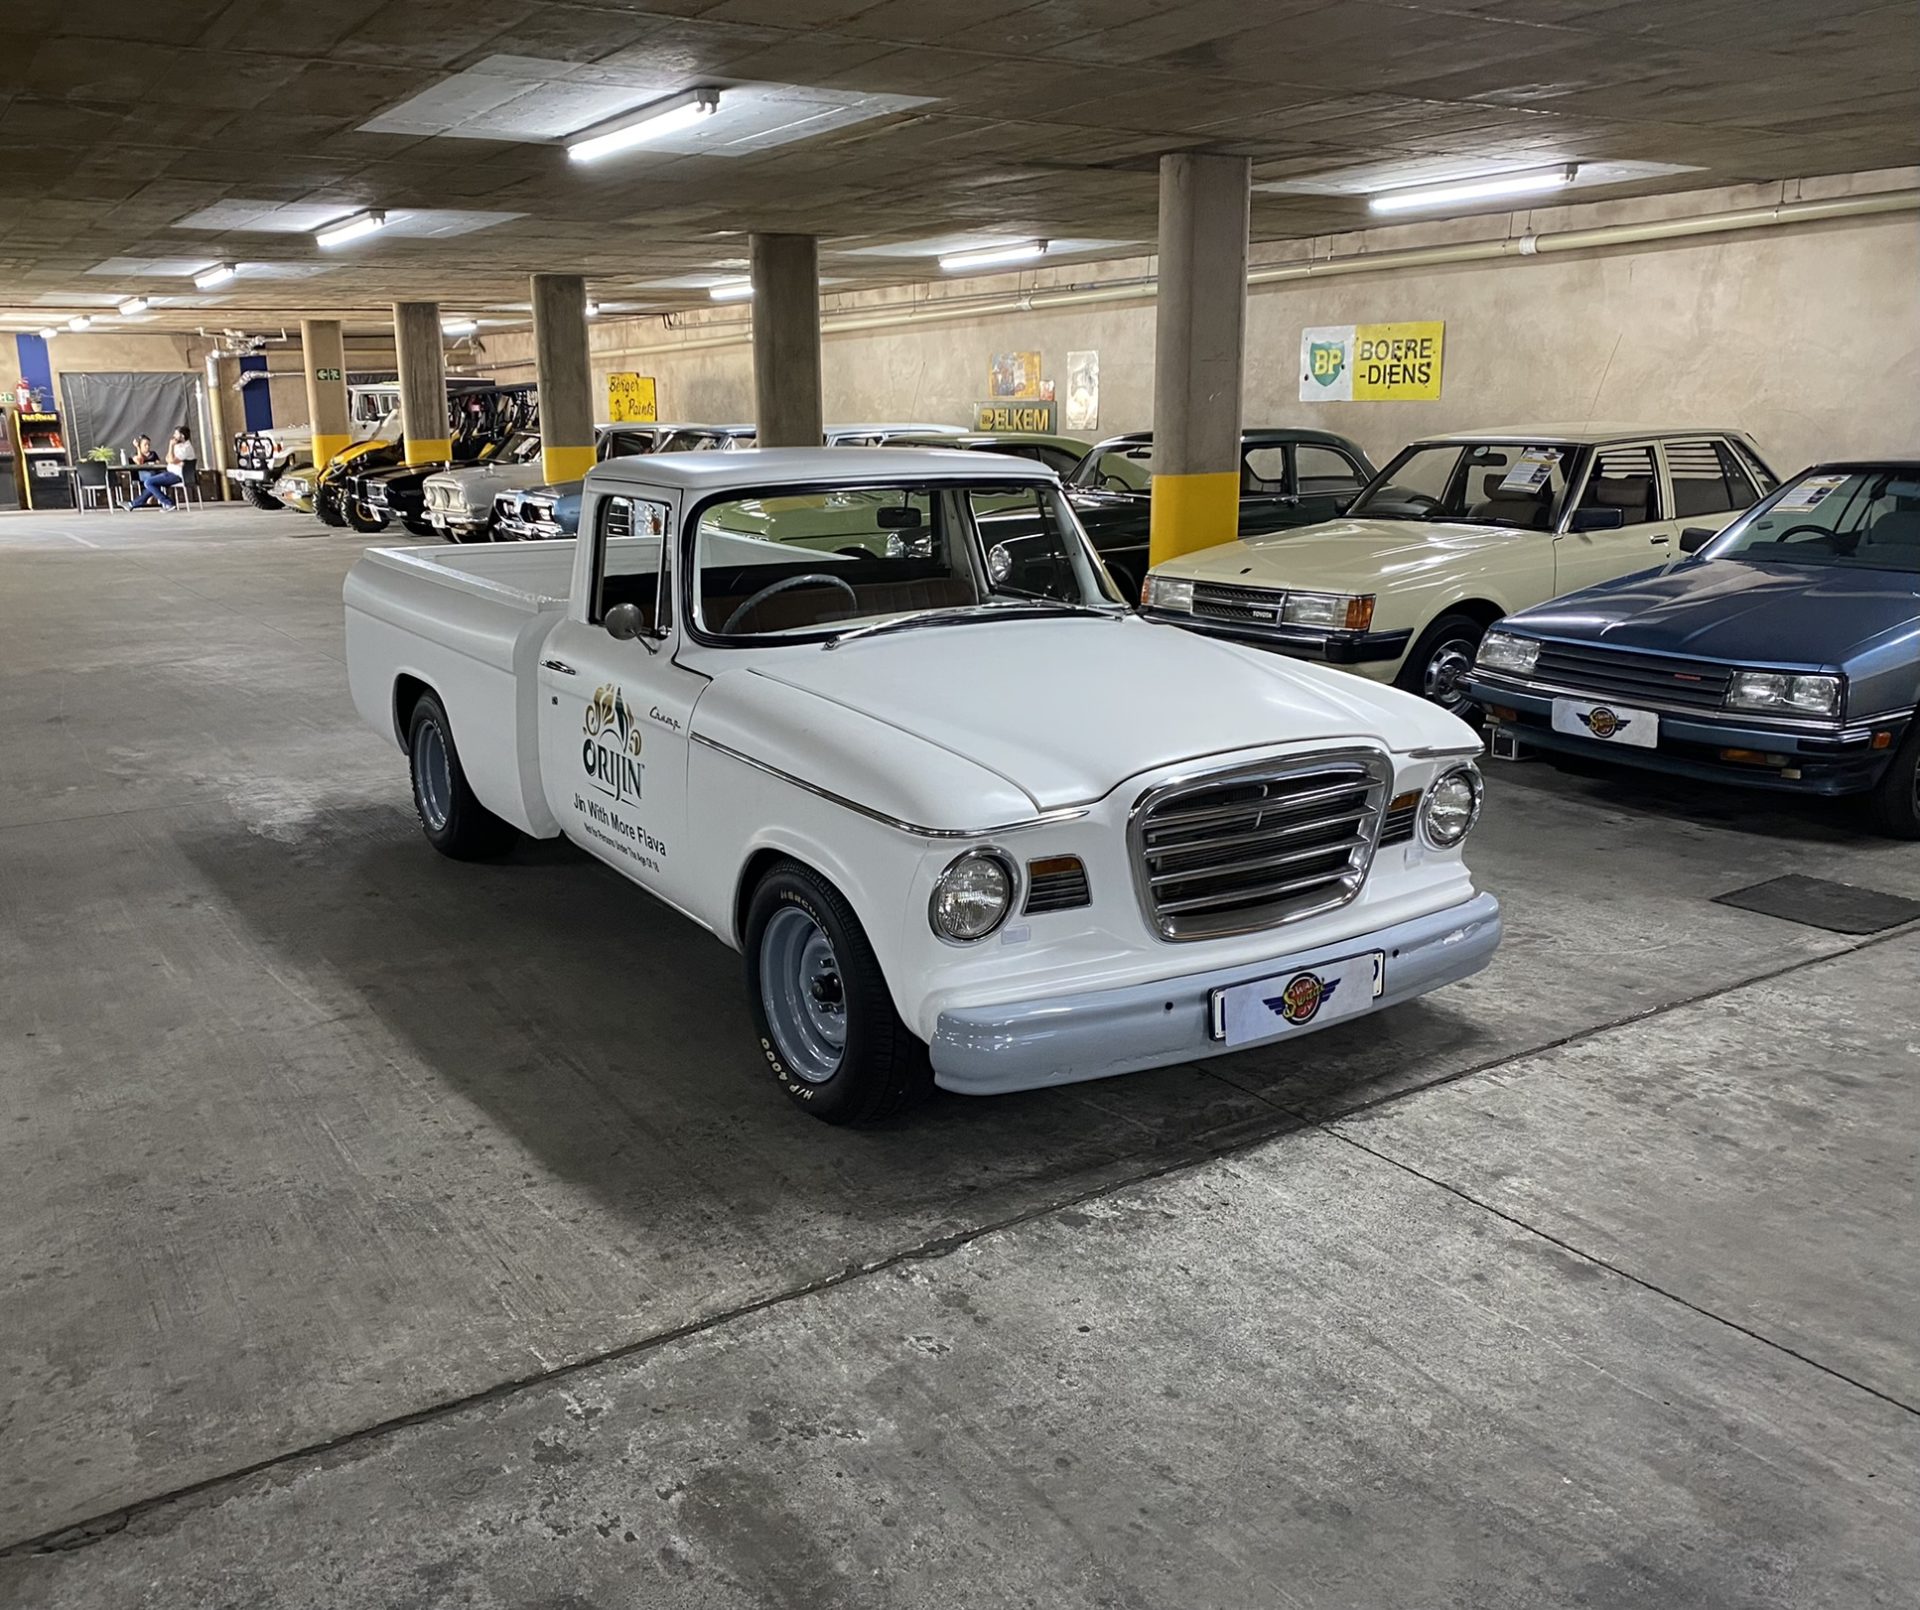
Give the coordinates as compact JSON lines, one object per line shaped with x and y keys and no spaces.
{"x":140,"y":140}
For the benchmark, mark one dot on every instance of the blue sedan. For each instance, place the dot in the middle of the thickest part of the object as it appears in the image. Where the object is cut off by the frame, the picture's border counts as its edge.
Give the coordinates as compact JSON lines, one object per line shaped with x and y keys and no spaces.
{"x":1784,"y":655}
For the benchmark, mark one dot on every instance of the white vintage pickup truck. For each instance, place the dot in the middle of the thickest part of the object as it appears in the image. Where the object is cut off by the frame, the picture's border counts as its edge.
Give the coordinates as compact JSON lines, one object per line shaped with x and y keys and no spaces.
{"x":878,"y":720}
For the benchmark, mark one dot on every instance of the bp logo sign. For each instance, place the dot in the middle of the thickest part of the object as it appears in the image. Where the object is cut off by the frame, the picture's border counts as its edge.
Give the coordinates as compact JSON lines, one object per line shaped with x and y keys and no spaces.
{"x":1326,"y":361}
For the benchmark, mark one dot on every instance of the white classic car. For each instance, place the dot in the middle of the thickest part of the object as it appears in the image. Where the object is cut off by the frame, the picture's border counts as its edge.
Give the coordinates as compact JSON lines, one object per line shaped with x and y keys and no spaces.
{"x":972,"y":821}
{"x":459,"y":503}
{"x":1458,"y":531}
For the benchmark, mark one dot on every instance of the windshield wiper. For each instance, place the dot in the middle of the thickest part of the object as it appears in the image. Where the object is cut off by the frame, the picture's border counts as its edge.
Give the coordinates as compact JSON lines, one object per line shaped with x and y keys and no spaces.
{"x":1065,"y":606}
{"x":960,"y":612}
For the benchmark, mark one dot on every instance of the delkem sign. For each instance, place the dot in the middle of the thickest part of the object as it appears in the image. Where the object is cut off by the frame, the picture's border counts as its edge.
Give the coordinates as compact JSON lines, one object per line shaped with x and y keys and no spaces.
{"x":1372,"y":362}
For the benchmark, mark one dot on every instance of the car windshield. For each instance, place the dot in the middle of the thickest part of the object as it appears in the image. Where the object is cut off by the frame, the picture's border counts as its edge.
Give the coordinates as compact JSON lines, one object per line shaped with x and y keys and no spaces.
{"x":831,"y":559}
{"x":1116,"y":466}
{"x":1480,"y":483}
{"x":1858,"y":519}
{"x":522,"y":447}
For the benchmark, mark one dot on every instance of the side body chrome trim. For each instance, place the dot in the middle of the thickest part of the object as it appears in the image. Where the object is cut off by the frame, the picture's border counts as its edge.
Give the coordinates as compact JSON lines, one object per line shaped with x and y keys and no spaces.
{"x":1064,"y":813}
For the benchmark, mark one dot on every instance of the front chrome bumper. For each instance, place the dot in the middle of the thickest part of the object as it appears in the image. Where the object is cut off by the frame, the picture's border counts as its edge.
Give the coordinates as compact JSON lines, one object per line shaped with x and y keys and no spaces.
{"x":1063,"y":1039}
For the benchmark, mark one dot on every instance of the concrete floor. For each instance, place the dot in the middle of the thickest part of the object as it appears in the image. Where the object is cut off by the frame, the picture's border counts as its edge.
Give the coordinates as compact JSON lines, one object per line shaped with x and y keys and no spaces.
{"x":385,"y":1231}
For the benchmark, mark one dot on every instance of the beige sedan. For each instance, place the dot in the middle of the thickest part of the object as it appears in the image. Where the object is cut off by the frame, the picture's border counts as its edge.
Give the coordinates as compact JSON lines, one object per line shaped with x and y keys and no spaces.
{"x":1458,"y":531}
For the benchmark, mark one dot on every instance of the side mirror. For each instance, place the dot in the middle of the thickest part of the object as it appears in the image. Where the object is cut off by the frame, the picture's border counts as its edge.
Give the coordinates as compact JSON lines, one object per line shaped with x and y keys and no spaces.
{"x":1696,"y":537}
{"x":1598,"y":520}
{"x":625,"y":622}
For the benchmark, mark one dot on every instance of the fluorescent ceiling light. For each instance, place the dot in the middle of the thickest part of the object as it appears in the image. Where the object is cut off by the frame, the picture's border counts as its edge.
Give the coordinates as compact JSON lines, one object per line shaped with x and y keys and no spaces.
{"x":740,"y":290}
{"x":361,"y":223}
{"x":649,"y":123}
{"x":78,"y":322}
{"x":459,"y":326}
{"x":219,"y":274}
{"x":133,"y":305}
{"x":1019,"y":251}
{"x":1490,"y":188}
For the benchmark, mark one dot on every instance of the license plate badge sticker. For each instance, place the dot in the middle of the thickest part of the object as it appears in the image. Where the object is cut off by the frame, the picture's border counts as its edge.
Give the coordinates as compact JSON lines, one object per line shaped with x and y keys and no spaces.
{"x":1267,"y":1008}
{"x":1609,"y":723}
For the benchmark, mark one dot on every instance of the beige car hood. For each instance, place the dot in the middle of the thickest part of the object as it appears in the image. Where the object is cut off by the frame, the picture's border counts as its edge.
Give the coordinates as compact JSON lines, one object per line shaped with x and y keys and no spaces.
{"x":1348,"y":555}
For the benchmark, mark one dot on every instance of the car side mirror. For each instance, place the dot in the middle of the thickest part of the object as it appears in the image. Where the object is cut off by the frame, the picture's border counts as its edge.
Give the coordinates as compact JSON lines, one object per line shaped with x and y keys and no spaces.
{"x":626,"y":622}
{"x":1696,"y":537}
{"x":1598,"y":519}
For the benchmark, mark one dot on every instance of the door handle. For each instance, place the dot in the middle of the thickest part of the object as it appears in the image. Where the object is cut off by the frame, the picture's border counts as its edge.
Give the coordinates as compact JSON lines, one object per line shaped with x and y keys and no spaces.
{"x":1660,"y":542}
{"x":561,"y":666}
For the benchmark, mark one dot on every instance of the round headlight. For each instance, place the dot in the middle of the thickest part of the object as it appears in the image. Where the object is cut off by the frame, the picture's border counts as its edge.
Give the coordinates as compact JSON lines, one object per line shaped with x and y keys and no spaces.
{"x":972,"y":897}
{"x":1451,"y":807}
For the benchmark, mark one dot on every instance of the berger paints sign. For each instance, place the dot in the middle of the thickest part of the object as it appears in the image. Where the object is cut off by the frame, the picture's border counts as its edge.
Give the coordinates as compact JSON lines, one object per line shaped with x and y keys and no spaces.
{"x":1371,"y":362}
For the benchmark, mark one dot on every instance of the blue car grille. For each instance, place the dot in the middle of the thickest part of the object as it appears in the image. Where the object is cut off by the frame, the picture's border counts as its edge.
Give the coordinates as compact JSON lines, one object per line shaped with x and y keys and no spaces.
{"x":1633,"y":677}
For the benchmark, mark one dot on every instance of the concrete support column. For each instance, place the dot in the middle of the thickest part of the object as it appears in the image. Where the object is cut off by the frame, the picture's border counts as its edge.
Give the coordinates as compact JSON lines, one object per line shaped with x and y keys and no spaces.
{"x":565,"y":372}
{"x":225,"y":411}
{"x":324,"y":350}
{"x":1198,"y":347}
{"x":422,"y":352}
{"x":786,"y":340}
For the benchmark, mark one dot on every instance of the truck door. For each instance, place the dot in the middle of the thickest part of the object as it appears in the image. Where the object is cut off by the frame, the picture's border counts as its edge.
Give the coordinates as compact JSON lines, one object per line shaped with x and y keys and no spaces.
{"x":615,"y":711}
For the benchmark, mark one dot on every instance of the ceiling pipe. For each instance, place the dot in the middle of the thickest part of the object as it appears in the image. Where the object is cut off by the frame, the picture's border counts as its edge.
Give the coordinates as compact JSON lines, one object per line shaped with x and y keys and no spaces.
{"x":1145,"y":287}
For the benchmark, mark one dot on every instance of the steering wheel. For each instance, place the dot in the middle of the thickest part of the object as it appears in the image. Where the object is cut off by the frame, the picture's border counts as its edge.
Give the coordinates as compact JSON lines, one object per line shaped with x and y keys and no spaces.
{"x":1817,"y":530}
{"x":748,"y":606}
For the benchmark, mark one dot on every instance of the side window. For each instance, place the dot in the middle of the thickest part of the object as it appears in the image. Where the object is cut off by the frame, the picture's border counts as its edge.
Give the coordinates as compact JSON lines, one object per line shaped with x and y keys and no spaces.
{"x":628,"y":565}
{"x":1263,"y":472}
{"x":1706,"y":480}
{"x":1622,"y":479}
{"x":1324,"y":469}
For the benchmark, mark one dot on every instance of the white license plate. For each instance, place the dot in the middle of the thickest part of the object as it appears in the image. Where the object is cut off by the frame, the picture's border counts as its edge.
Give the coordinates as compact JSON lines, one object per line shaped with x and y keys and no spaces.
{"x":249,"y":475}
{"x":1610,"y":723}
{"x":1265,"y":1008}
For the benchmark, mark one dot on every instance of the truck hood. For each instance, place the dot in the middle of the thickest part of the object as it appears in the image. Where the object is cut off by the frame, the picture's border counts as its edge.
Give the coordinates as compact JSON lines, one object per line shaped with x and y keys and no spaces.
{"x":1066,"y":710}
{"x":1347,"y":555}
{"x":1735,"y":609}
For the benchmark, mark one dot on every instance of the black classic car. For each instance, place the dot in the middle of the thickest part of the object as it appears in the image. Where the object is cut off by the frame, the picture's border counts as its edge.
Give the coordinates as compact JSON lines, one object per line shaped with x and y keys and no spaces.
{"x":1287,"y":478}
{"x":497,"y":424}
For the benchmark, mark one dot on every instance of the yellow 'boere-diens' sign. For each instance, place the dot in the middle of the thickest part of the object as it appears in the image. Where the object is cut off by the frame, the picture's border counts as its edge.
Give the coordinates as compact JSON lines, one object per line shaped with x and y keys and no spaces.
{"x":631,"y":400}
{"x":1372,"y":362}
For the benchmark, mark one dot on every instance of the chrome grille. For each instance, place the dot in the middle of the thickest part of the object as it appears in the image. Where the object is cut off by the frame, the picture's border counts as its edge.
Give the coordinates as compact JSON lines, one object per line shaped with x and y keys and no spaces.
{"x":1633,"y":677}
{"x":1258,"y":846}
{"x":1261,"y":605}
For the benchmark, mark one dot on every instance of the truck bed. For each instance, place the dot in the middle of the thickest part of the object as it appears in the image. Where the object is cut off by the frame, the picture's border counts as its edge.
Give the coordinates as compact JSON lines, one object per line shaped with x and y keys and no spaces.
{"x":467,"y":625}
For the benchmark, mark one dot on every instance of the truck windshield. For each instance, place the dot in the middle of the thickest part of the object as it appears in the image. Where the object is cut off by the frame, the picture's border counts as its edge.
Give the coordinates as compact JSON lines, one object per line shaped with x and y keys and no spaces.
{"x":1479,"y":483}
{"x":1860,"y":519}
{"x":817,"y":561}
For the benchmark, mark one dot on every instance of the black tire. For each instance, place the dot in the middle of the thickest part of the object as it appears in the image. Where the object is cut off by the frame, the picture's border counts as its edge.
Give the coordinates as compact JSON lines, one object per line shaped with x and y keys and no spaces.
{"x":455,"y":822}
{"x":326,"y":507}
{"x":1895,"y":799}
{"x":477,"y":534}
{"x":362,"y":523}
{"x":1439,"y":659}
{"x":420,"y":528}
{"x":882,"y":1068}
{"x":260,"y":497}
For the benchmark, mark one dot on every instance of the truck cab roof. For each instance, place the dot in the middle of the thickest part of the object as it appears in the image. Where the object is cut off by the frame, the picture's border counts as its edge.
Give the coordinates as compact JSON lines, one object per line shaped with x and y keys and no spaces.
{"x":761,"y":467}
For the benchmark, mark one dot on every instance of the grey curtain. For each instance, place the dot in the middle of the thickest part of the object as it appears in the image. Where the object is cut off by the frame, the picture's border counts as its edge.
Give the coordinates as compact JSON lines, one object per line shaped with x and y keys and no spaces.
{"x":109,"y":410}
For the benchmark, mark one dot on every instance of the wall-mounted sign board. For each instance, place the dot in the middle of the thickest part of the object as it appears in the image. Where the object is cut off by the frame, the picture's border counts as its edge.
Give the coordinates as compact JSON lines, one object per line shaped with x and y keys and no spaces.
{"x":632,"y":400}
{"x":1372,"y":362}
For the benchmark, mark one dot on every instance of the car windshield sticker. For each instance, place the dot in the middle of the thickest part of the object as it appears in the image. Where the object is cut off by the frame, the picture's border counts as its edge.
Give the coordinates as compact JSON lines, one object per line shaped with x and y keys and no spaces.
{"x":1530,"y":470}
{"x":1811,"y":492}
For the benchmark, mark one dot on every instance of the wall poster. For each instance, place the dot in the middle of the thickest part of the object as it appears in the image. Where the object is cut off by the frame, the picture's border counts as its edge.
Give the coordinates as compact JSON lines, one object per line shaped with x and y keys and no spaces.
{"x":1372,"y":362}
{"x":1014,"y":377}
{"x":1083,"y":391}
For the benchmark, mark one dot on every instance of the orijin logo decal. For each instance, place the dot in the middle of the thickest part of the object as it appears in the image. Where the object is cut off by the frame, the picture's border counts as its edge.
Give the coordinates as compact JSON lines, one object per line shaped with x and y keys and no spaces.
{"x":611,"y":751}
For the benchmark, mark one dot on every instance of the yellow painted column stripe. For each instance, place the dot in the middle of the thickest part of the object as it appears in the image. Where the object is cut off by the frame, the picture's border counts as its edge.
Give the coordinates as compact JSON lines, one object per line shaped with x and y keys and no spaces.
{"x":565,"y":463}
{"x":325,"y":446}
{"x":429,"y":450}
{"x":1191,"y":512}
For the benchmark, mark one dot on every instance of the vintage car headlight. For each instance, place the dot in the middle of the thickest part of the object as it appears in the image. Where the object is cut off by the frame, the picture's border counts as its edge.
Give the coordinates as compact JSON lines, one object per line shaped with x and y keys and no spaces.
{"x":1502,"y":651}
{"x":1451,"y":807}
{"x":972,"y":897}
{"x":1784,"y":691}
{"x":1333,"y":612}
{"x":1169,"y":592}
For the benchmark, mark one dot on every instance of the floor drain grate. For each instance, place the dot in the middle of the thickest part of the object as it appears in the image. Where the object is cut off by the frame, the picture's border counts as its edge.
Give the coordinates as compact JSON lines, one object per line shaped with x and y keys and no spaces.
{"x":1841,"y":908}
